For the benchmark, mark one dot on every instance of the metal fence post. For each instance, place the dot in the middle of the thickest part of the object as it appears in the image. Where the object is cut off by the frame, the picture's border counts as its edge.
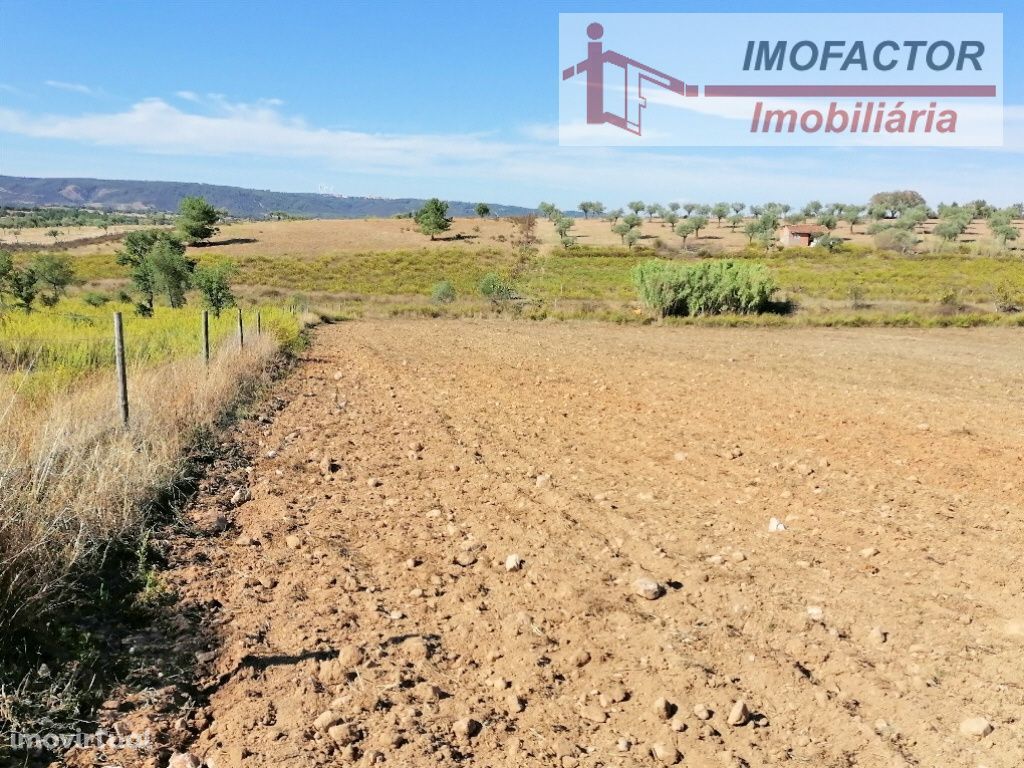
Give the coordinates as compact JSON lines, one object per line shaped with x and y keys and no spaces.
{"x":259,"y":324}
{"x":241,"y":331}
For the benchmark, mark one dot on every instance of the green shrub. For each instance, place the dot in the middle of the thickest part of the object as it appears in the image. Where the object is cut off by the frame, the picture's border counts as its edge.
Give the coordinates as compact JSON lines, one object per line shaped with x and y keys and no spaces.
{"x":496,"y":289}
{"x":658,"y":283}
{"x":94,"y":299}
{"x":443,"y":292}
{"x":711,"y":287}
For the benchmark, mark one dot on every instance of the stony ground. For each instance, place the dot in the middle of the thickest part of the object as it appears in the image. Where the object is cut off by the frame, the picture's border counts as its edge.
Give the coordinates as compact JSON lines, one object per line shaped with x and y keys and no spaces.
{"x":514,"y":544}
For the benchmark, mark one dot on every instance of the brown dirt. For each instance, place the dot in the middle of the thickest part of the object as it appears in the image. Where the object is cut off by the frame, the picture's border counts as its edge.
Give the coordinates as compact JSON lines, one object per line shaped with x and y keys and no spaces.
{"x":313,"y":238}
{"x":79,"y":240}
{"x":601,"y":455}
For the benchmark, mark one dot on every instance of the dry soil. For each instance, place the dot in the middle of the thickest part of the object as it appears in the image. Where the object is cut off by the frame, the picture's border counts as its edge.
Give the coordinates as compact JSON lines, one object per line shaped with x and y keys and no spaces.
{"x":368,"y":612}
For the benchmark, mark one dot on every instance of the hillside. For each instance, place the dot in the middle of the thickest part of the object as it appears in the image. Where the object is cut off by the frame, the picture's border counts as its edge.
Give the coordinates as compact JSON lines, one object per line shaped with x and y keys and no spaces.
{"x":125,"y":195}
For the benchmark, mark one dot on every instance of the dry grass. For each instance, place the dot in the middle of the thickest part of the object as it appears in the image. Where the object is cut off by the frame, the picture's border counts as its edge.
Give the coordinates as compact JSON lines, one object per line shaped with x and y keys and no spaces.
{"x":314,"y":238}
{"x":40,"y":236}
{"x":73,"y":480}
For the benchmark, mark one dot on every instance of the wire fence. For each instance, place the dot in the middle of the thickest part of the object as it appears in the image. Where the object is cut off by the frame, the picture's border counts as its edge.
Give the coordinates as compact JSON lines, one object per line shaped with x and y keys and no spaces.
{"x":81,"y":353}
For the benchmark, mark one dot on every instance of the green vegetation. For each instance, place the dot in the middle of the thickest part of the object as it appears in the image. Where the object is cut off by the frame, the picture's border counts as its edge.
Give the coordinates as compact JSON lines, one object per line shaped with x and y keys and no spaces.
{"x":604,"y":273}
{"x":55,"y":272}
{"x":443,"y":292}
{"x":196,"y":220}
{"x":158,"y":265}
{"x":23,"y":284}
{"x":495,"y":288}
{"x":45,"y":351}
{"x":14,"y":218}
{"x":214,"y":283}
{"x":705,"y":288}
{"x":433,"y":217}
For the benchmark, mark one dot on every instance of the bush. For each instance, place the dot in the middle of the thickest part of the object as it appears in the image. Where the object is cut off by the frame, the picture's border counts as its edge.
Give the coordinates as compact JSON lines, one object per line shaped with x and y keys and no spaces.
{"x":658,"y":283}
{"x":94,"y":299}
{"x":1006,"y":301}
{"x":896,"y":239}
{"x":707,"y":288}
{"x":443,"y":292}
{"x":496,"y":289}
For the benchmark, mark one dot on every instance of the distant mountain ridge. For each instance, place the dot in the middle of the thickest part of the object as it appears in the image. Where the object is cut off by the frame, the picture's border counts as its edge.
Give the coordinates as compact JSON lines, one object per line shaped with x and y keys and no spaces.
{"x":128,"y":196}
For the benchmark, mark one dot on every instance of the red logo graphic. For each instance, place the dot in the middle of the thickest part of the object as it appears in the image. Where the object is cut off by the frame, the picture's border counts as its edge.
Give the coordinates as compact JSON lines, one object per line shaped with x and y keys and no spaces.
{"x":634,"y":76}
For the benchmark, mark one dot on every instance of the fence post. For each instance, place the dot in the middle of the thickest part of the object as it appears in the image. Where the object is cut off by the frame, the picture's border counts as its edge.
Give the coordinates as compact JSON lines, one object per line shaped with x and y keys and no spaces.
{"x":122,"y":375}
{"x":259,"y":324}
{"x":206,"y":336}
{"x":241,"y":331}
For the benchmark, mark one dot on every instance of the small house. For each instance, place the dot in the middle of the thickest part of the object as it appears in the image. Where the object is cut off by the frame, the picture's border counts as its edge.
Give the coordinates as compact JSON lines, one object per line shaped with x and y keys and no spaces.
{"x":801,"y":234}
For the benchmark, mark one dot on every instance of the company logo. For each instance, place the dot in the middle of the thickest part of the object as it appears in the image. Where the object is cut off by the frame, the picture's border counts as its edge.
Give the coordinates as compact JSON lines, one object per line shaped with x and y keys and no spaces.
{"x":101,"y":739}
{"x":783,"y":79}
{"x":633,"y":74}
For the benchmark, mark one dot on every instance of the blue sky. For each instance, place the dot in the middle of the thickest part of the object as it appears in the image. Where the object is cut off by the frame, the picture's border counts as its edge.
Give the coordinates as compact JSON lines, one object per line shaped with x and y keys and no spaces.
{"x":455,"y":99}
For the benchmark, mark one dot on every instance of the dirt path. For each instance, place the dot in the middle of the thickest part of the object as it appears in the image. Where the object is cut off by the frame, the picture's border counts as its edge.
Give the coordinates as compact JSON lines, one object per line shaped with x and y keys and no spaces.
{"x":367,"y":575}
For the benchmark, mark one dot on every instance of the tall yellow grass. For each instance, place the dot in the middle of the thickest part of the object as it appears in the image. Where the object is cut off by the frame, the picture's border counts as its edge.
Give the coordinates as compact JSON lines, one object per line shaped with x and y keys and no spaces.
{"x":48,"y":350}
{"x":73,"y":479}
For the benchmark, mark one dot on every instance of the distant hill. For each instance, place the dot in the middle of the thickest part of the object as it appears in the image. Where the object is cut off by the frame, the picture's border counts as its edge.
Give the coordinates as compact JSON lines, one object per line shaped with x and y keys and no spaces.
{"x":122,"y":195}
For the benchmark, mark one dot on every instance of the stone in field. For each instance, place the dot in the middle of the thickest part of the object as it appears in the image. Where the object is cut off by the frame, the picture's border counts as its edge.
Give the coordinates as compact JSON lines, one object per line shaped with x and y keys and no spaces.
{"x":663,"y":708}
{"x":739,"y":714}
{"x":465,"y":559}
{"x":702,"y":712}
{"x":666,"y":754}
{"x":976,"y":727}
{"x":327,"y":720}
{"x":467,"y":727}
{"x":343,"y":733}
{"x":648,"y":588}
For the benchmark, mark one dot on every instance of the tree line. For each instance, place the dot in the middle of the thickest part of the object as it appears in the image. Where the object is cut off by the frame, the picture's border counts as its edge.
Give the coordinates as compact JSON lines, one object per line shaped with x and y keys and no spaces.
{"x":156,"y":260}
{"x":891,"y":217}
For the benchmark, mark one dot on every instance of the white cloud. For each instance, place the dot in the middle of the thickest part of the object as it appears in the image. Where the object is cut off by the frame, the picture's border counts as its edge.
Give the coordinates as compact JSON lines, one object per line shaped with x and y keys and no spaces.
{"x":259,"y":128}
{"x":73,"y":87}
{"x":525,"y":169}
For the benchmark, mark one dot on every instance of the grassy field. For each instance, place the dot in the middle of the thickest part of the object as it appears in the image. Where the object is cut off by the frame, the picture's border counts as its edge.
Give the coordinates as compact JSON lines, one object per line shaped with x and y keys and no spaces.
{"x":604,"y":274}
{"x":75,"y":484}
{"x":319,"y":237}
{"x":315,"y":238}
{"x":73,"y":480}
{"x":45,"y":351}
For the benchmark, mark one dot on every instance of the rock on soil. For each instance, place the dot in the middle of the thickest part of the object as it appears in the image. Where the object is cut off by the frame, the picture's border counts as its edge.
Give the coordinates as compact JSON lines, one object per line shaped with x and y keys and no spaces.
{"x":739,"y":714}
{"x":976,"y":727}
{"x":663,"y":708}
{"x":648,"y":588}
{"x":184,"y":760}
{"x":241,"y":496}
{"x":467,"y":727}
{"x":702,"y":712}
{"x":666,"y":754}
